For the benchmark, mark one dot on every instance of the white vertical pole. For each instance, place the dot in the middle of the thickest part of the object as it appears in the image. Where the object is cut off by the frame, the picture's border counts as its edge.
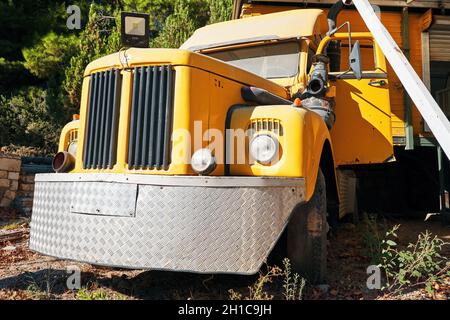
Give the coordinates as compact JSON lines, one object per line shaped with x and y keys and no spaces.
{"x":428,"y":107}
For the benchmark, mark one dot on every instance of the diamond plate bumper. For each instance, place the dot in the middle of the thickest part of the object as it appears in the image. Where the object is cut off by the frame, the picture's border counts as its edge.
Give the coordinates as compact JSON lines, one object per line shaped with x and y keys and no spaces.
{"x":194,"y":224}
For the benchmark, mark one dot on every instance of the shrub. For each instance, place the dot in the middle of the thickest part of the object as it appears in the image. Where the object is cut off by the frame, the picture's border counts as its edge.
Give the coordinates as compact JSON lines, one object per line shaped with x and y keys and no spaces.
{"x":23,"y":151}
{"x":25,"y":120}
{"x":419,"y":264}
{"x":373,"y":236}
{"x":293,"y":285}
{"x":99,"y":294}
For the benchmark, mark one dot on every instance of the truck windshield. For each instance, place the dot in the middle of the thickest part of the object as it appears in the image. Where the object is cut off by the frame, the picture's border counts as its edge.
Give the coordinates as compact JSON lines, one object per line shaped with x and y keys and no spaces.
{"x":272,"y":61}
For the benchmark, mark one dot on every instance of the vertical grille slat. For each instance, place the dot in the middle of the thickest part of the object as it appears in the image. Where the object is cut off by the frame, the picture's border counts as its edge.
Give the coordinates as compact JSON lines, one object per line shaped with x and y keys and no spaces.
{"x":160,"y":121}
{"x":154,"y":110}
{"x":151,"y":118}
{"x":94,"y":118}
{"x":168,"y":116}
{"x":140,"y":118}
{"x":98,"y":116}
{"x":87,"y":158}
{"x":109,"y":117}
{"x":147,"y":119}
{"x":112,"y":153}
{"x":101,"y":136}
{"x":102,"y":120}
{"x":132,"y":136}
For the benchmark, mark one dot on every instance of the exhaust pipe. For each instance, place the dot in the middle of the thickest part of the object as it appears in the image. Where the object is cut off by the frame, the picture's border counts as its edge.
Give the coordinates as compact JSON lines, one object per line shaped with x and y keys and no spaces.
{"x":334,"y":47}
{"x":334,"y":13}
{"x":63,"y":162}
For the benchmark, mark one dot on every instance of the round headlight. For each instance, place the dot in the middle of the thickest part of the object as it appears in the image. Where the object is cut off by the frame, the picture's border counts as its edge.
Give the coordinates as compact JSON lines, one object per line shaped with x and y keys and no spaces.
{"x":263,"y":148}
{"x":73,"y":147}
{"x":203,"y":162}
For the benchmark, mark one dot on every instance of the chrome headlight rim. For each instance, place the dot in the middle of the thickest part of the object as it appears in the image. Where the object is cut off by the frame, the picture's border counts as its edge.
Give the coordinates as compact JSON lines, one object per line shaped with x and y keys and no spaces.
{"x":276,"y":148}
{"x":72,"y":148}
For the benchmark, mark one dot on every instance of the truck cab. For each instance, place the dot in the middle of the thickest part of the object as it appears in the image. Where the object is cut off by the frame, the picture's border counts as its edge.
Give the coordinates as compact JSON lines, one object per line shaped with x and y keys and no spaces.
{"x":200,"y":158}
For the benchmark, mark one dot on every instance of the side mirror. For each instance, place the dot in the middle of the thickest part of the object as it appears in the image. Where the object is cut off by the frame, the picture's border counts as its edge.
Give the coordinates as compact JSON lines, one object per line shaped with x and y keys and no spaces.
{"x":355,"y":60}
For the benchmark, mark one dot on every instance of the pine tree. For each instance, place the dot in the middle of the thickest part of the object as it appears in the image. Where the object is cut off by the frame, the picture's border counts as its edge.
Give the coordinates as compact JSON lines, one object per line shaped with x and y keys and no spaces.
{"x":42,"y":63}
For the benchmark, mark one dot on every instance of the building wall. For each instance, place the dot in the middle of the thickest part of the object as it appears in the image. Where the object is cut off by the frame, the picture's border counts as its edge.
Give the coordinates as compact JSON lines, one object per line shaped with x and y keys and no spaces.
{"x":419,"y":4}
{"x":393,"y":22}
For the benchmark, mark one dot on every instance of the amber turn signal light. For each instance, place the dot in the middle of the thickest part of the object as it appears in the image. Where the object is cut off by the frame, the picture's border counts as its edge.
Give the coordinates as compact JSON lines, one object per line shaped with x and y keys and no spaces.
{"x":297,"y":103}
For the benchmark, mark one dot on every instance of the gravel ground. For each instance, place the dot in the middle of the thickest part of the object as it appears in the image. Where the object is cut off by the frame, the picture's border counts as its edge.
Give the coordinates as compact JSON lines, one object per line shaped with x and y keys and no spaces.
{"x":27,"y":275}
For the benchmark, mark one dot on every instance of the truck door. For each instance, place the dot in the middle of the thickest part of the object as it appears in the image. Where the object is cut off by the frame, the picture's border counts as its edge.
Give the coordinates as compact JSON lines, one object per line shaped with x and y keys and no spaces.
{"x":363,"y":130}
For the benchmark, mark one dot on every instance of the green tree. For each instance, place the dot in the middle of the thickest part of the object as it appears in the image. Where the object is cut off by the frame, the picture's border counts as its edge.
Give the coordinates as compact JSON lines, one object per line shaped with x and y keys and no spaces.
{"x":220,"y":10}
{"x":188,"y":15}
{"x":22,"y":23}
{"x":100,"y":37}
{"x":158,"y":10}
{"x":13,"y":74}
{"x":51,"y":55}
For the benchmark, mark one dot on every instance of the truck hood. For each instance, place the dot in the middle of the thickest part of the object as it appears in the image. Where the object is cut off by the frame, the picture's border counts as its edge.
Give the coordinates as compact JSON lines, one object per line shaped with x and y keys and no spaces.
{"x":135,"y":57}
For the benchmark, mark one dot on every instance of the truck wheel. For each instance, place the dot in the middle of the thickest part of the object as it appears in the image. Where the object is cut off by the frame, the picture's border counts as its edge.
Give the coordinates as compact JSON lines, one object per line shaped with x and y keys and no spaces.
{"x":307,"y":236}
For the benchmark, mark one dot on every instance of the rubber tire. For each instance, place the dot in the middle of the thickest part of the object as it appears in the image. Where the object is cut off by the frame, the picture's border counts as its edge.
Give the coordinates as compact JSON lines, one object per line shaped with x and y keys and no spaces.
{"x":307,"y":236}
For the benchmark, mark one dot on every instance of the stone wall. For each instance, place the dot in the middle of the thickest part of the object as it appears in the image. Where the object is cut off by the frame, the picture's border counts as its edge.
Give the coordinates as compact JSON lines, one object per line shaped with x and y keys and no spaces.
{"x":24,"y":196}
{"x":9,"y":179}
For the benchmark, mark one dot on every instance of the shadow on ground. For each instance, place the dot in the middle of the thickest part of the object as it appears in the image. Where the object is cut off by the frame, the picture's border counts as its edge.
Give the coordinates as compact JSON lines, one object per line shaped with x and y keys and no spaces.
{"x":171,"y":285}
{"x":149,"y":285}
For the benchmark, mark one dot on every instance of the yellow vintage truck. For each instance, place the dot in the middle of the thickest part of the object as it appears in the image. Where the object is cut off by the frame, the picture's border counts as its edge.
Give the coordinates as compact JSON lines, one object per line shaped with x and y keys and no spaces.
{"x":203,"y":158}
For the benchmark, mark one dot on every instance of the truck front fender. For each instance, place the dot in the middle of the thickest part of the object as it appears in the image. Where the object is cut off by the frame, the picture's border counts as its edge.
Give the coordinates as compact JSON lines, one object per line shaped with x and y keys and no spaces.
{"x":302,"y":136}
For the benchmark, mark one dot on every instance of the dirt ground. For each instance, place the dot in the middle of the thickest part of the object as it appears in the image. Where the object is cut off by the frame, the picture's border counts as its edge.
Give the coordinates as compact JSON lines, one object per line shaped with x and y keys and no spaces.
{"x":27,"y":275}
